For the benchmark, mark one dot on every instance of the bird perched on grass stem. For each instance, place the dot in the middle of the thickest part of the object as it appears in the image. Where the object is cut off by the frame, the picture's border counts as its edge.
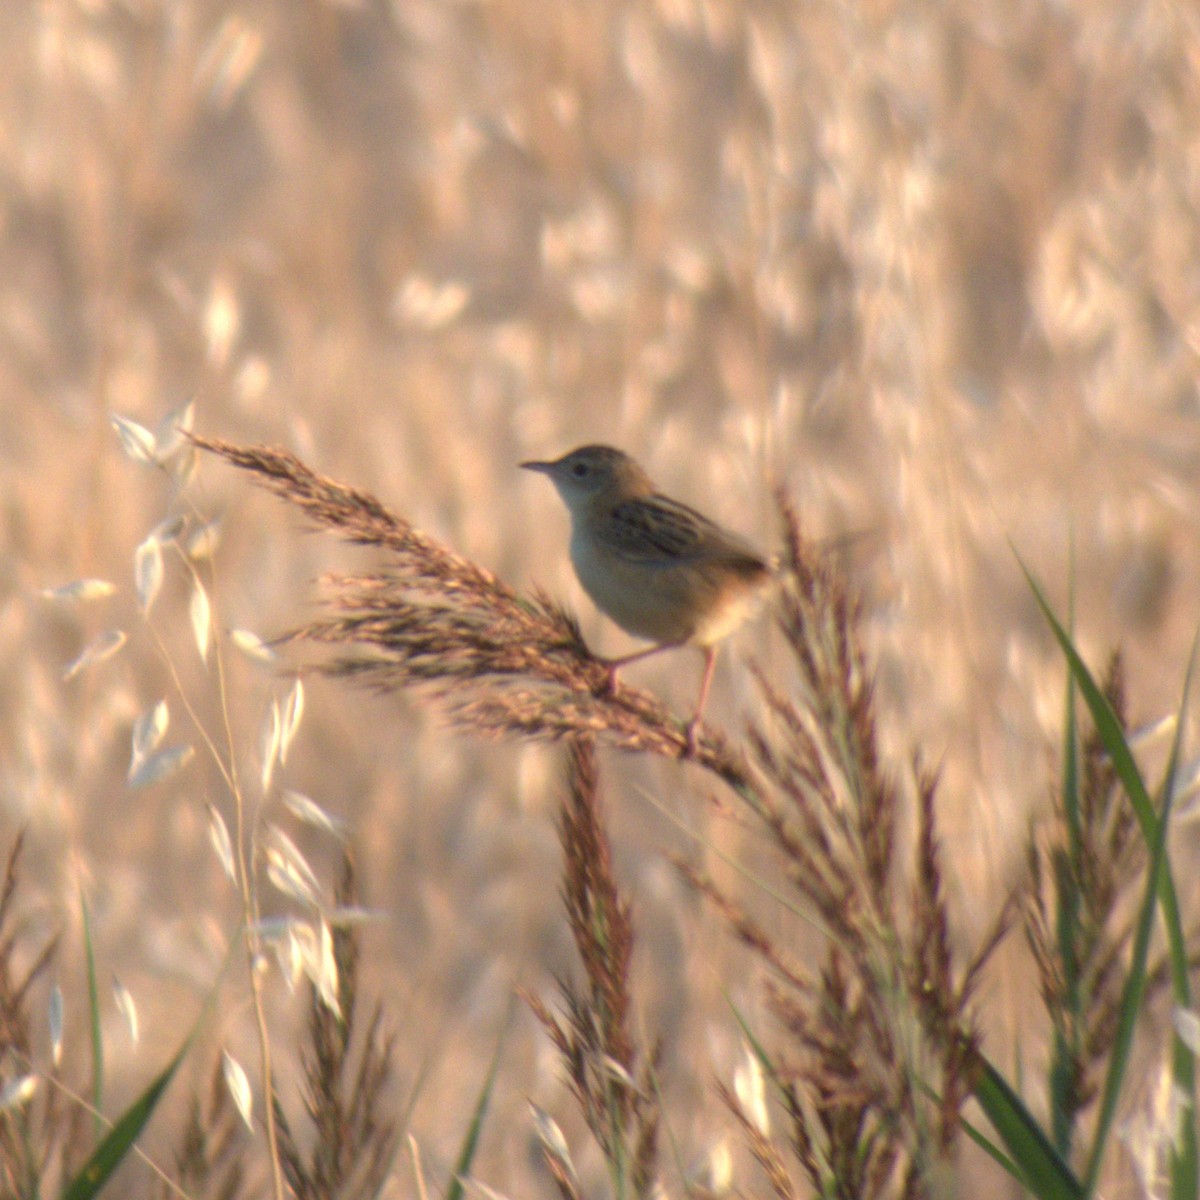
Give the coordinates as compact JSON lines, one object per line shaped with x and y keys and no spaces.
{"x":658,"y":568}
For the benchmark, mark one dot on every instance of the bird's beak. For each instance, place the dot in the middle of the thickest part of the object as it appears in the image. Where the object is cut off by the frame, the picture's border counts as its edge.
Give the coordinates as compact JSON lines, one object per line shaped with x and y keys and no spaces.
{"x":544,"y":467}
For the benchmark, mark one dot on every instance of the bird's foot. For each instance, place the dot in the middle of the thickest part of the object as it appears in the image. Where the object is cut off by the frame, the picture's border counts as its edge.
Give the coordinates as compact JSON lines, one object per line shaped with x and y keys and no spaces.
{"x":691,"y":732}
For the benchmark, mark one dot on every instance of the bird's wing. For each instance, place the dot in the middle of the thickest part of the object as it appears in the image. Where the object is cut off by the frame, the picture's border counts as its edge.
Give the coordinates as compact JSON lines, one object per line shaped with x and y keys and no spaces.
{"x":655,"y":528}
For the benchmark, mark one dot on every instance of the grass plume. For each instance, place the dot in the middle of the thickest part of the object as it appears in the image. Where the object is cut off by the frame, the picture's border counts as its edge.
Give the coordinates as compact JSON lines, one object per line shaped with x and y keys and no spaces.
{"x":347,"y":1066}
{"x":884,"y":1020}
{"x":500,"y":664}
{"x":210,"y":1158}
{"x":611,"y":1076}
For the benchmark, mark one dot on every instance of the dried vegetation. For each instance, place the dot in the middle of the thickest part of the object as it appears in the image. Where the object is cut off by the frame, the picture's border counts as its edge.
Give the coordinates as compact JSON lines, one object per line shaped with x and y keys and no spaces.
{"x":929,"y":266}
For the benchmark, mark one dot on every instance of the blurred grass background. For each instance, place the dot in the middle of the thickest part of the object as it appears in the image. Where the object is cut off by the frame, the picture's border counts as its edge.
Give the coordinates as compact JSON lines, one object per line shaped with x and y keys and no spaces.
{"x":933,"y":266}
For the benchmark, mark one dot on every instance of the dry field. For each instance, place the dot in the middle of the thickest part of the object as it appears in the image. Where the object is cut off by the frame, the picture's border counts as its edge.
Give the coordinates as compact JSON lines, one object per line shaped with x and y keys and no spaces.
{"x":933,"y":267}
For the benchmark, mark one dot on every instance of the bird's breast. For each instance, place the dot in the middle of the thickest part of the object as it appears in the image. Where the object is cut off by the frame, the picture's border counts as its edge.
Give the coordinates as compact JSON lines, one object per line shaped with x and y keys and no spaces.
{"x":664,"y":602}
{"x":634,"y":595}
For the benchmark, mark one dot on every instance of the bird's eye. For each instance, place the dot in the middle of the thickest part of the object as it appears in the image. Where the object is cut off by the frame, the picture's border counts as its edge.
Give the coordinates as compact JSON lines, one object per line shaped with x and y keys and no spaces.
{"x":579,"y":470}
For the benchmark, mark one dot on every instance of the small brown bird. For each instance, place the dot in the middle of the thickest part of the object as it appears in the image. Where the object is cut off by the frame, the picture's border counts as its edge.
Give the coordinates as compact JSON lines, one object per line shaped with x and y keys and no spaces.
{"x":658,"y":568}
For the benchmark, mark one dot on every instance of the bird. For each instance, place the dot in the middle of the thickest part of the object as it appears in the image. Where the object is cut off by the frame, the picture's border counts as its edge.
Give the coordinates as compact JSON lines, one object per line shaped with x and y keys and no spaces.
{"x":658,"y":568}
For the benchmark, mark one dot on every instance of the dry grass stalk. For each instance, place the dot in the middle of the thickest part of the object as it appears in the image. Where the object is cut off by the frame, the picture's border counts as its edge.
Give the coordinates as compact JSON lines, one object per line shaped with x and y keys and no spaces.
{"x":209,"y":1163}
{"x":611,"y":1077}
{"x":15,"y":1037}
{"x":764,"y":1150}
{"x":941,"y":993}
{"x":355,"y":1138}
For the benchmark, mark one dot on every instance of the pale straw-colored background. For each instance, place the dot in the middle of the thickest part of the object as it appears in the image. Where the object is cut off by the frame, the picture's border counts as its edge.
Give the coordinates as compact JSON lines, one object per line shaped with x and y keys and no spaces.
{"x":934,"y":266}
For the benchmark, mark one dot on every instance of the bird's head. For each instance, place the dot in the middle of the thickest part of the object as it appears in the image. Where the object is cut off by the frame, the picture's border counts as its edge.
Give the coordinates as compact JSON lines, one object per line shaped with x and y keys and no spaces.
{"x":594,"y":471}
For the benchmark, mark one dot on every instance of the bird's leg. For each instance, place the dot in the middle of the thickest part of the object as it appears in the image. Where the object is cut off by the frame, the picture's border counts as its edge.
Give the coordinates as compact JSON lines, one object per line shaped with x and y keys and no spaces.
{"x":693,"y":726}
{"x":610,"y":680}
{"x":615,"y":664}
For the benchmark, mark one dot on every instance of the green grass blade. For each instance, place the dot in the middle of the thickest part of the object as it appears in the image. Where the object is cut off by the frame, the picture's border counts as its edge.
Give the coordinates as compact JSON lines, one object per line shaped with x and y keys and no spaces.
{"x":1108,"y":727}
{"x":113,"y":1149}
{"x":1067,"y":874}
{"x":1185,"y":1156}
{"x":982,"y":1140}
{"x":121,"y":1138}
{"x":1041,"y":1168}
{"x":994,"y":1152}
{"x":462,"y":1168}
{"x":1131,"y":999}
{"x":94,"y":1020}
